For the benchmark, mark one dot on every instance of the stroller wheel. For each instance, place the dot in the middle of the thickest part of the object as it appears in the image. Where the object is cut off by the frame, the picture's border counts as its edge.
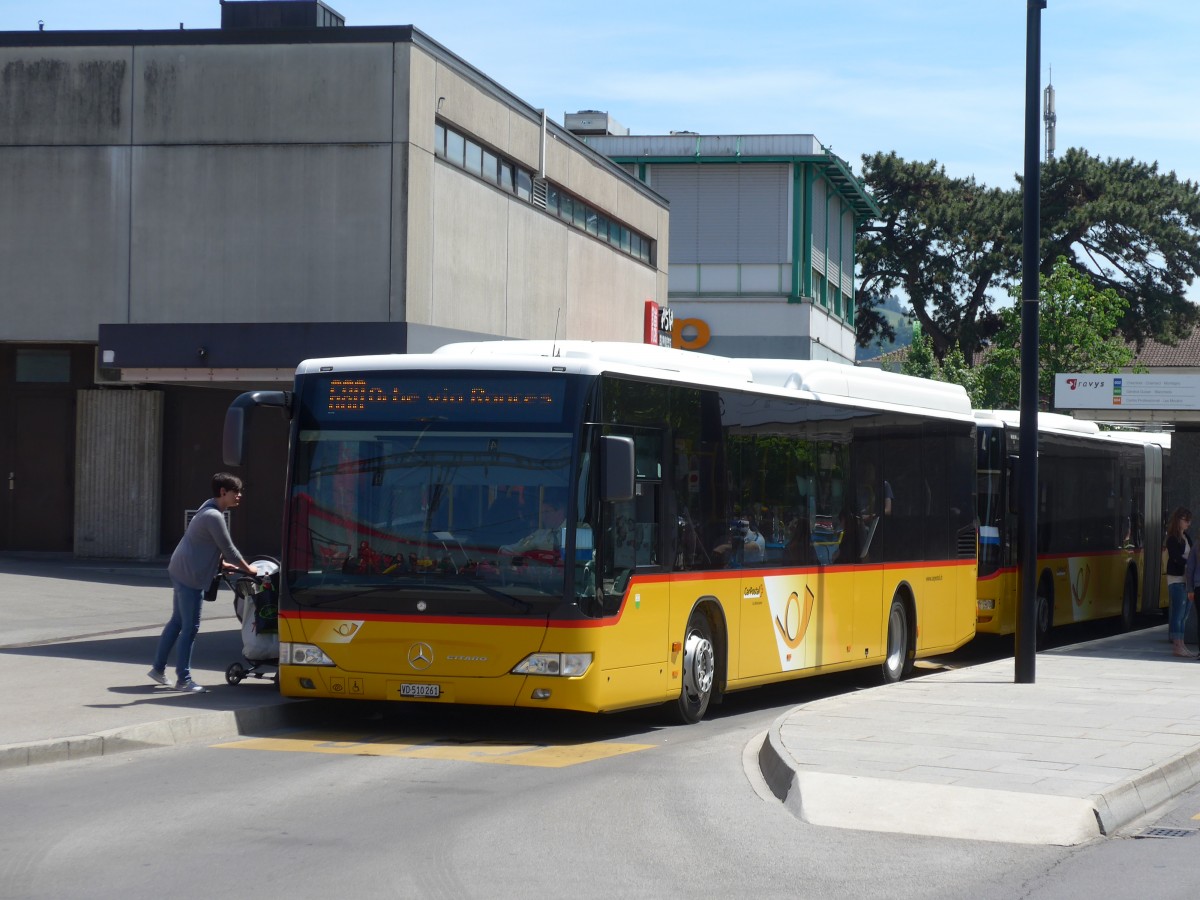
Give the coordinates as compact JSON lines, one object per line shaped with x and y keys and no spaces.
{"x":235,"y":673}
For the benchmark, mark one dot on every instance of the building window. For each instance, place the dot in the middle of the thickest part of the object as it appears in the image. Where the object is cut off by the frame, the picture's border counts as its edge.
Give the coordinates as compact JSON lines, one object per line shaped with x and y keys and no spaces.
{"x":44,"y":366}
{"x":474,"y":160}
{"x":478,"y":160}
{"x":524,"y":185}
{"x":456,"y":148}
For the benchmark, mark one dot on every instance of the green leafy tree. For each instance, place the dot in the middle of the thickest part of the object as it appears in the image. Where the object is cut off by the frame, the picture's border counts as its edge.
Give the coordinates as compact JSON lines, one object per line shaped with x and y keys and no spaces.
{"x":922,"y":362}
{"x":946,"y":243}
{"x":1133,"y":229}
{"x":953,"y":247}
{"x":1078,"y":331}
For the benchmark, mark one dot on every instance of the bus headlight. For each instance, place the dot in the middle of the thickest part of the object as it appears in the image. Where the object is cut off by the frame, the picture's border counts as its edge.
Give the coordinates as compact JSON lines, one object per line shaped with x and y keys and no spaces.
{"x":292,"y":654}
{"x":987,"y":604}
{"x":568,"y":665}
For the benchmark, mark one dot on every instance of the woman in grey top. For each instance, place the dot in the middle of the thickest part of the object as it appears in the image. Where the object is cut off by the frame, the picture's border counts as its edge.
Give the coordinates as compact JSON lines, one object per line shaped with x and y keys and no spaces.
{"x":205,"y":549}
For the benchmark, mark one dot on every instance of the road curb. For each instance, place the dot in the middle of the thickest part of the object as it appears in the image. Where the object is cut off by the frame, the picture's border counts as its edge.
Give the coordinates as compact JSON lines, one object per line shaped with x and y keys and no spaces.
{"x":204,"y":726}
{"x":865,"y":803}
{"x":861,"y":802}
{"x":772,"y":761}
{"x":1125,"y":802}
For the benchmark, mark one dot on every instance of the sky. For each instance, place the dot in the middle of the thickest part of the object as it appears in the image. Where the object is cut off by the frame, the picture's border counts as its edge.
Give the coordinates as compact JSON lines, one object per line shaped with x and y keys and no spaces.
{"x":935,"y":80}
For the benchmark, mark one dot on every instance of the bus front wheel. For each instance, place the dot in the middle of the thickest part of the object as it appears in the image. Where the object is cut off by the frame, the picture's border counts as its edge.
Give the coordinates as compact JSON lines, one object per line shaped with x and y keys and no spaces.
{"x":898,"y":661}
{"x":699,"y":669}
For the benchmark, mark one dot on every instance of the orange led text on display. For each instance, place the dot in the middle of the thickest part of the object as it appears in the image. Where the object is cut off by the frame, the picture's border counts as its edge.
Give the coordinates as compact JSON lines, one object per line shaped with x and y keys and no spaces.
{"x":358,"y":394}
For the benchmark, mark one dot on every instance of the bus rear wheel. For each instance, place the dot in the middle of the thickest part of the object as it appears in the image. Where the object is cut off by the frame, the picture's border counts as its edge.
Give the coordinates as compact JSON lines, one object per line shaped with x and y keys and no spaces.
{"x":1043,"y":618}
{"x":699,"y":670}
{"x":898,"y":661}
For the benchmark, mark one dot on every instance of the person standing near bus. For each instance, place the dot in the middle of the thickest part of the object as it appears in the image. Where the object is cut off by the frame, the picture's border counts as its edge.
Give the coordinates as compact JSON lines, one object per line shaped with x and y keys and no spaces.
{"x":1179,"y":549}
{"x":1191,"y":574}
{"x":205,"y":549}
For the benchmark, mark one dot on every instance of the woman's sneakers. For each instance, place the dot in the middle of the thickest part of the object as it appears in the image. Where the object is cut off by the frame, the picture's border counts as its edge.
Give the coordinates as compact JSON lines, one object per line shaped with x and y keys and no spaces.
{"x":187,"y":686}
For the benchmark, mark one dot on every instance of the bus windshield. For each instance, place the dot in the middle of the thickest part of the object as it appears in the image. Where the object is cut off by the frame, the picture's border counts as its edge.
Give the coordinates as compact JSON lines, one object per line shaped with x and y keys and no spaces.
{"x":441,"y":516}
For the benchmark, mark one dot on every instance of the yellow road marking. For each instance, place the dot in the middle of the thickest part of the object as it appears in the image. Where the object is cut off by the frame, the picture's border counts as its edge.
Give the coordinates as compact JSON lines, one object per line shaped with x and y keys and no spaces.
{"x":545,"y":755}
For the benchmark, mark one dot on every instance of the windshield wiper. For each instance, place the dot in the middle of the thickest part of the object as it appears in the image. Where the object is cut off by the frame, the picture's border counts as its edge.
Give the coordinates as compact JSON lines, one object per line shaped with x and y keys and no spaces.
{"x":515,"y":602}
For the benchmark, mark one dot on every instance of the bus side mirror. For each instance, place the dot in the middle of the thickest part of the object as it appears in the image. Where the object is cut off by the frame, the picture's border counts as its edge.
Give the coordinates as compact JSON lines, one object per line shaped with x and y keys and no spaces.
{"x":233,"y":439}
{"x":617,"y":471}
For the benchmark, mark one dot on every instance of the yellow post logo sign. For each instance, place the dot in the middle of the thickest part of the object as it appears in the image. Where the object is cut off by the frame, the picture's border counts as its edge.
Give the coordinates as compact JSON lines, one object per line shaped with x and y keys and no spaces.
{"x":690,"y":334}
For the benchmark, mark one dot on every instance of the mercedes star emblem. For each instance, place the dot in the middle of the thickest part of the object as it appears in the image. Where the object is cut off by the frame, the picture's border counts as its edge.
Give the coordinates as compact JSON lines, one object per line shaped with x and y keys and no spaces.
{"x":420,"y":656}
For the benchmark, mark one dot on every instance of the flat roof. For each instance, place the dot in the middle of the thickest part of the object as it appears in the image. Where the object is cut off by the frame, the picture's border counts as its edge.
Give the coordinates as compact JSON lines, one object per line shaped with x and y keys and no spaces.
{"x":357,"y":34}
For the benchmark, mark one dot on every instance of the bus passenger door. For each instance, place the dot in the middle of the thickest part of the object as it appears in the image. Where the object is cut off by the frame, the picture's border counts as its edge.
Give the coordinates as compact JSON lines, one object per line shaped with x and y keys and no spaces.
{"x":631,"y":551}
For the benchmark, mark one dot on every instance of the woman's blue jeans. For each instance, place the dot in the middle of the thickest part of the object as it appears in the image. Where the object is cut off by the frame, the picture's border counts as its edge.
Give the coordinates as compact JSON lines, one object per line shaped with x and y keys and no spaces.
{"x":1177,"y":594}
{"x":183,"y":625}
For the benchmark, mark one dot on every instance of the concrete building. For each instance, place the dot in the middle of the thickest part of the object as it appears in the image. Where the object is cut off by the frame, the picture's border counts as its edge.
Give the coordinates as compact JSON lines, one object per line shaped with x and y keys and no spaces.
{"x":188,"y":214}
{"x":763,"y":231}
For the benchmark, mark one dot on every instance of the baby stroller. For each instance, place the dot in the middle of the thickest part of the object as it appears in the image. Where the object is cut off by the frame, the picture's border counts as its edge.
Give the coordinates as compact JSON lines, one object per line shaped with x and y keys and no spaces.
{"x":256,"y":603}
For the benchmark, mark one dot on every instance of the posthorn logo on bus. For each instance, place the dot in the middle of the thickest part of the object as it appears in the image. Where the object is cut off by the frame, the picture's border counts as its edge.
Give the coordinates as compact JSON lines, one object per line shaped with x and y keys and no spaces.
{"x":420,"y":656}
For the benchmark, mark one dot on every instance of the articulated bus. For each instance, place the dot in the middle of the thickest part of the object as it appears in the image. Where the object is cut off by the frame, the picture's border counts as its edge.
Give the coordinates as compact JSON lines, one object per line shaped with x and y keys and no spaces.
{"x":597,"y":527}
{"x":1099,"y":523}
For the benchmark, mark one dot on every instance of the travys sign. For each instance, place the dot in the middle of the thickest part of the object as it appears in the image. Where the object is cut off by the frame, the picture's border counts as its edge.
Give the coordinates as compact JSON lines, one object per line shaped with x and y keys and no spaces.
{"x":1084,"y":391}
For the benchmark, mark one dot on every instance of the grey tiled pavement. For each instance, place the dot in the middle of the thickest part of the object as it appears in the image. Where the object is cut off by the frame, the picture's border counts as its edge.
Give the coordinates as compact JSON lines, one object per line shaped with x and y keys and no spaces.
{"x":1108,"y":731}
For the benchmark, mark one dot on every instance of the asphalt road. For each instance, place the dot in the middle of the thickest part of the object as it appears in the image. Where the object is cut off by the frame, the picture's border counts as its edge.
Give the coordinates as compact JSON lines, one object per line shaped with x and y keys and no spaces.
{"x":387,"y":801}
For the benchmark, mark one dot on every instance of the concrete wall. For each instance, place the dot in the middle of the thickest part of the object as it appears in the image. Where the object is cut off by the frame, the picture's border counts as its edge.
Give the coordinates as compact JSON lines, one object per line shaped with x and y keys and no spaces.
{"x":64,"y":239}
{"x":488,"y":261}
{"x":217,"y":182}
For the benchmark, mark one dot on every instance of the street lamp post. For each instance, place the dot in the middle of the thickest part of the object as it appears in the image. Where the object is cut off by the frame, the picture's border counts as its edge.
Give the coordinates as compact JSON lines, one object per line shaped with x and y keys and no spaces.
{"x":1026,"y":646}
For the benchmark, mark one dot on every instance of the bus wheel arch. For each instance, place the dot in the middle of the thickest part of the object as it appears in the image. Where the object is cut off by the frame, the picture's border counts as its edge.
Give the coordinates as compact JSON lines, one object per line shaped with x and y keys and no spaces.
{"x":900,"y":651}
{"x":703,"y":656}
{"x":1129,"y":593}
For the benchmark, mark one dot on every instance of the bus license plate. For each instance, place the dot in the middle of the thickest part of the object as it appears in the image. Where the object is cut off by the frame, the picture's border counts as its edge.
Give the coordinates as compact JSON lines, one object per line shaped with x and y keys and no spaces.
{"x":420,"y":690}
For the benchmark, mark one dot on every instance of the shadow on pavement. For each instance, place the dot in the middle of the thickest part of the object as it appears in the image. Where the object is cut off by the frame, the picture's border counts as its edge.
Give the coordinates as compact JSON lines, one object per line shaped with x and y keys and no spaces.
{"x":216,"y":649}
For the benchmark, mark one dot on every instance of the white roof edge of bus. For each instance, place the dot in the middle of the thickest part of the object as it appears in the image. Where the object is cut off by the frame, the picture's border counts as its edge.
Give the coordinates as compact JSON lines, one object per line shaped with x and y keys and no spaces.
{"x":824,"y":378}
{"x":1047,"y":421}
{"x":819,"y":378}
{"x":1162,"y":438}
{"x":670,"y":359}
{"x":1064,"y":424}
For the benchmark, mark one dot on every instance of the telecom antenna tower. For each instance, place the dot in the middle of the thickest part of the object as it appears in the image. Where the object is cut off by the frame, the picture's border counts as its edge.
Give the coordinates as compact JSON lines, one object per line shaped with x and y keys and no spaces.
{"x":1049,"y":117}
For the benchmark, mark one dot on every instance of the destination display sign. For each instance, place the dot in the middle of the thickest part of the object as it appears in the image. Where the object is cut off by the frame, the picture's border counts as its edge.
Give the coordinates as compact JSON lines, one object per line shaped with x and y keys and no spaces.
{"x":455,"y":398}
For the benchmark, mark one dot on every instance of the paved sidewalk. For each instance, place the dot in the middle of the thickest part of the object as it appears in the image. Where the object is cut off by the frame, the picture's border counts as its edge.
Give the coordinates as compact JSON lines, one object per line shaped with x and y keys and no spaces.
{"x":1109,"y":730}
{"x":76,"y":640}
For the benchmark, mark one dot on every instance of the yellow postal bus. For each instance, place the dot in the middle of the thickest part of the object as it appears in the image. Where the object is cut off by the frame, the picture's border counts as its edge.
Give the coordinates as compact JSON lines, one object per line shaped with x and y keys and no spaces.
{"x":1099,"y":522}
{"x":596,"y":527}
